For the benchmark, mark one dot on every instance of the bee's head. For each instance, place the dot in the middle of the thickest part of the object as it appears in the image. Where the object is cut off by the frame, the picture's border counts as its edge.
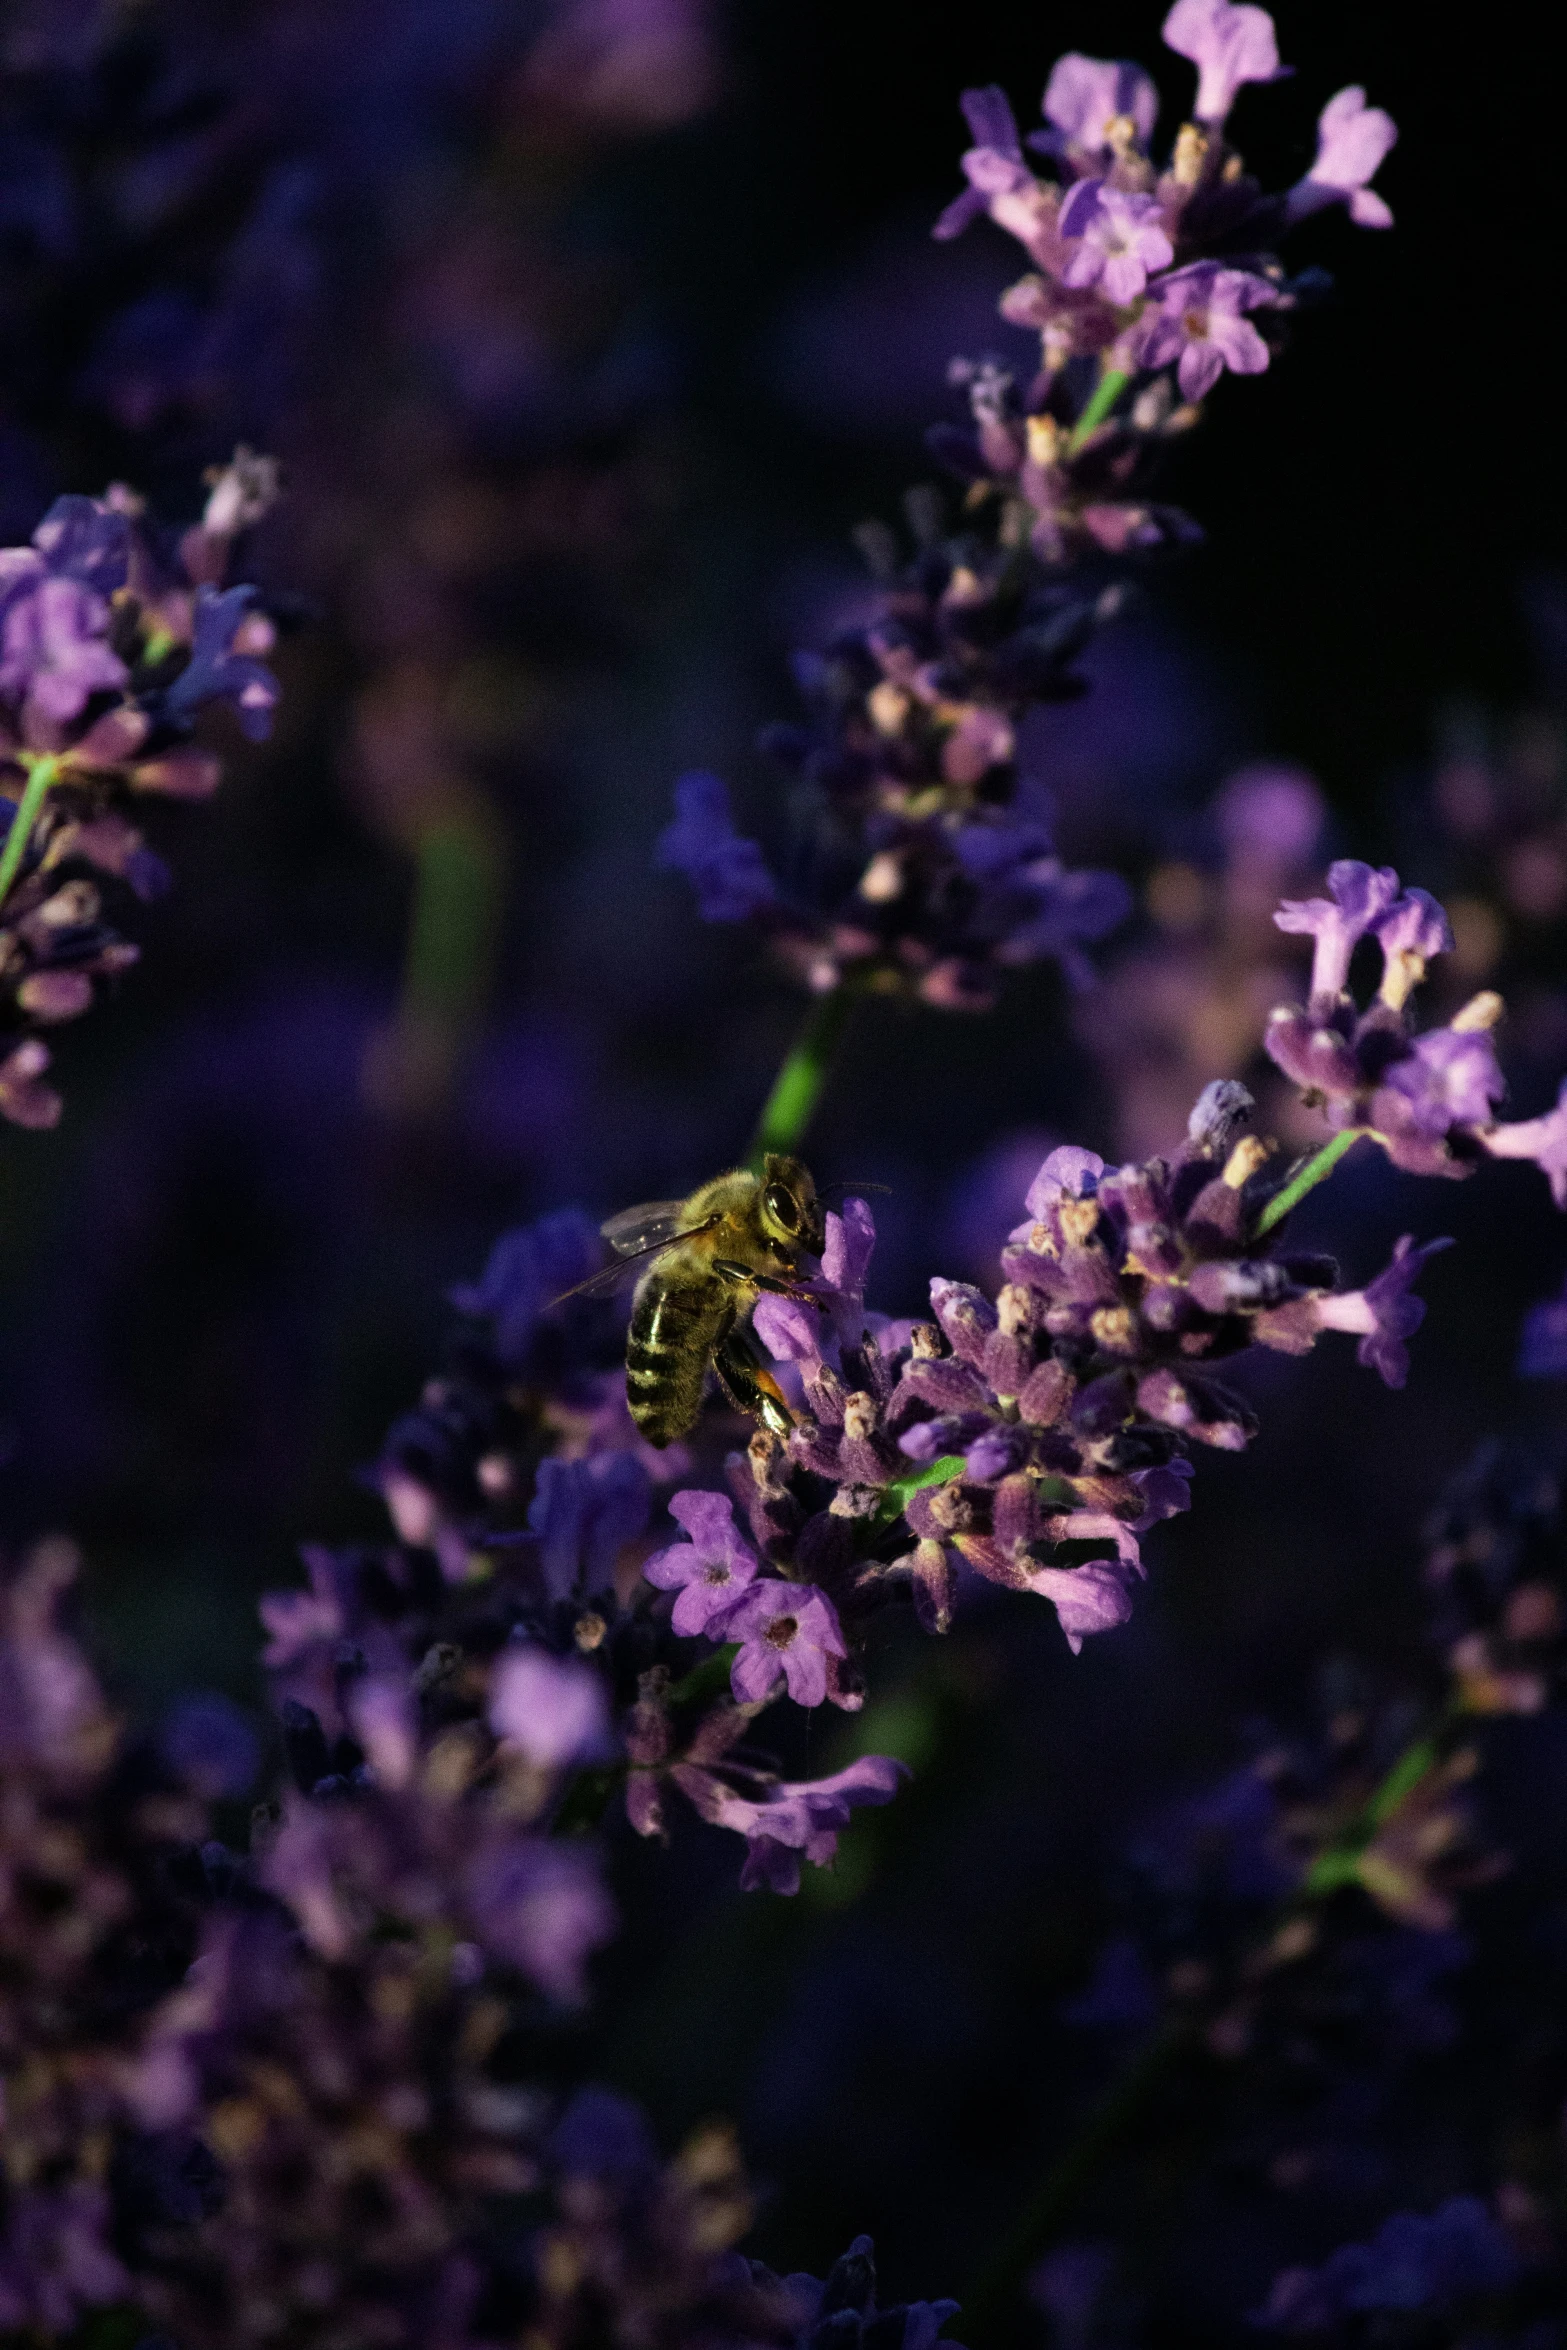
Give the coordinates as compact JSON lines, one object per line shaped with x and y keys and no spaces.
{"x":790,"y":1211}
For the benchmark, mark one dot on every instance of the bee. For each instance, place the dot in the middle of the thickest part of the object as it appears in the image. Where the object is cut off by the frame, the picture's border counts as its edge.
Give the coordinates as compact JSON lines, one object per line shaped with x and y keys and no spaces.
{"x":708,"y":1259}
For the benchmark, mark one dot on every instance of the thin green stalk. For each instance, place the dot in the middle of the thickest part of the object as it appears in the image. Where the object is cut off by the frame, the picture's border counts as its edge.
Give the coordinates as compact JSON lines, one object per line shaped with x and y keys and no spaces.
{"x":1106,"y":392}
{"x":1061,"y":2187}
{"x":1315,"y":1171}
{"x":41,"y":774}
{"x":1056,"y":2194}
{"x":797,"y":1088}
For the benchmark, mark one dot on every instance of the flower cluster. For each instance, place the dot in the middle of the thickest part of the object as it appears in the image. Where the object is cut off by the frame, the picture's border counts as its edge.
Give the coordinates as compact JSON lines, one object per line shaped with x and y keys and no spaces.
{"x":1428,"y":1098}
{"x":114,"y":637}
{"x":925,"y":864}
{"x":96,"y":1923}
{"x":1417,"y":2263}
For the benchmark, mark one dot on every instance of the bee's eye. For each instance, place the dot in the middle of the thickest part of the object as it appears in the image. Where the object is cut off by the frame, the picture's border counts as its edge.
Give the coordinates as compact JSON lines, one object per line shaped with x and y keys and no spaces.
{"x":780,"y":1206}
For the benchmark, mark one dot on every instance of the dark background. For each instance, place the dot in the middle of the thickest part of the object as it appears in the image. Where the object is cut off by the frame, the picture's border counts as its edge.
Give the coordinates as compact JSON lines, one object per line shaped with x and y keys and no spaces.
{"x":596,"y":484}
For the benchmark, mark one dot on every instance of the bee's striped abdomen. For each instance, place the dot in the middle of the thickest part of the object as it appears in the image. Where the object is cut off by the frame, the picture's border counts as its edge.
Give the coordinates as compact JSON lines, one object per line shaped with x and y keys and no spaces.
{"x":675,"y":1326}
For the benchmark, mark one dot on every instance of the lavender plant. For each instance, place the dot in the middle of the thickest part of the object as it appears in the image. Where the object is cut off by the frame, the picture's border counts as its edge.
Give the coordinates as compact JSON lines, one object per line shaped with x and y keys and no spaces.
{"x":298,"y":2081}
{"x":117,"y":635}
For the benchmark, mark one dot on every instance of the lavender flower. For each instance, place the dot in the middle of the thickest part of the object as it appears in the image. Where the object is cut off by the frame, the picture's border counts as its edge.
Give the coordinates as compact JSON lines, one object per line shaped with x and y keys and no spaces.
{"x":710,"y":1570}
{"x":1429,"y":1099}
{"x":727,"y":871}
{"x":87,"y":724}
{"x":1201,"y":322}
{"x":786,"y":1632}
{"x":1416,"y":2261}
{"x":1352,"y":141}
{"x":925,"y":868}
{"x":1229,"y":46}
{"x":1121,"y":240}
{"x":1088,"y":100}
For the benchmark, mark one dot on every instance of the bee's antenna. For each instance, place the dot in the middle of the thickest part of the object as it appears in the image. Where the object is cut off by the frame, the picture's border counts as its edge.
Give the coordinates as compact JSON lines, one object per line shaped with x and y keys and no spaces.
{"x":849,"y":1184}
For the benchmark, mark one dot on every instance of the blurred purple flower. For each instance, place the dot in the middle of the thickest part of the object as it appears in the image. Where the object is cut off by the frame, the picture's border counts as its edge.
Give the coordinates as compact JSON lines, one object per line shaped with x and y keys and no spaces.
{"x":1449,"y":1078}
{"x":726,"y":870}
{"x":526,"y":1273}
{"x":1086,"y":95}
{"x":1544,"y":1140}
{"x":1352,"y":141}
{"x":1416,"y":2261}
{"x":552,"y":1708}
{"x":541,"y":1906}
{"x":1542,"y":1344}
{"x":210,"y":1743}
{"x":53,"y":654}
{"x":1361,"y":898}
{"x":1229,"y":46}
{"x":1122,"y":239}
{"x":1201,"y":321}
{"x":222,"y":665}
{"x":584,"y":1513}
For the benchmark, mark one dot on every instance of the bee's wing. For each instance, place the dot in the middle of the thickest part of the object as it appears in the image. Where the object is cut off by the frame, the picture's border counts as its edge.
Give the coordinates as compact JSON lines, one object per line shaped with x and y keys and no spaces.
{"x":654,"y":1223}
{"x":637,"y":1234}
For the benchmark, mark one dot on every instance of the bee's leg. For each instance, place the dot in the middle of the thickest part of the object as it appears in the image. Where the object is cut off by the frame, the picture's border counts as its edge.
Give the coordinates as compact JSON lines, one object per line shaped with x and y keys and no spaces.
{"x":749,"y":1387}
{"x":738,"y":1273}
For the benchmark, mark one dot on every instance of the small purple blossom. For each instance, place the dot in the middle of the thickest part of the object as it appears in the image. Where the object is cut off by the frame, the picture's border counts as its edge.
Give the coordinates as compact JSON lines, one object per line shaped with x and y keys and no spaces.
{"x":1093,"y":1598}
{"x":994,"y":166}
{"x":1362,"y":897}
{"x":1122,"y":239}
{"x":1085,"y":96}
{"x":1201,"y":322}
{"x":1386,"y":1313}
{"x":1229,"y":46}
{"x":726,"y":870}
{"x":801,"y":1817}
{"x":1411,"y":935}
{"x":584,"y":1513}
{"x":786,"y":1631}
{"x":1352,"y":141}
{"x":1449,"y":1078}
{"x":1544,"y":1140}
{"x":228,"y":633}
{"x":1542,"y":1342}
{"x":711,"y":1569}
{"x":551,"y":1708}
{"x":525,"y":1274}
{"x":541,"y":1906}
{"x":53,"y":653}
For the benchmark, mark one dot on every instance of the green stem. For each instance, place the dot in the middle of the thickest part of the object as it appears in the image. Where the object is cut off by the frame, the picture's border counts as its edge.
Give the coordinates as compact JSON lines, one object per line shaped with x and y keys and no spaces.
{"x":1105,"y":394}
{"x":1315,"y":1171}
{"x":1057,"y":2193}
{"x":797,"y":1088}
{"x":1059,"y":2190}
{"x":41,"y":774}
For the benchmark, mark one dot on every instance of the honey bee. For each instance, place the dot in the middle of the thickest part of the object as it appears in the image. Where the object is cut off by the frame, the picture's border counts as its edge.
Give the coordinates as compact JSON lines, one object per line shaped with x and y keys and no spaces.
{"x":709,"y":1258}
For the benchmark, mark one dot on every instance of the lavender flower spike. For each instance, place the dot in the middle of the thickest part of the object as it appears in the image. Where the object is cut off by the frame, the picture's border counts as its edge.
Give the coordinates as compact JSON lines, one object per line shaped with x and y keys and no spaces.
{"x":1352,"y":141}
{"x":1229,"y":46}
{"x":1361,"y":898}
{"x":1201,"y":322}
{"x":710,"y":1571}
